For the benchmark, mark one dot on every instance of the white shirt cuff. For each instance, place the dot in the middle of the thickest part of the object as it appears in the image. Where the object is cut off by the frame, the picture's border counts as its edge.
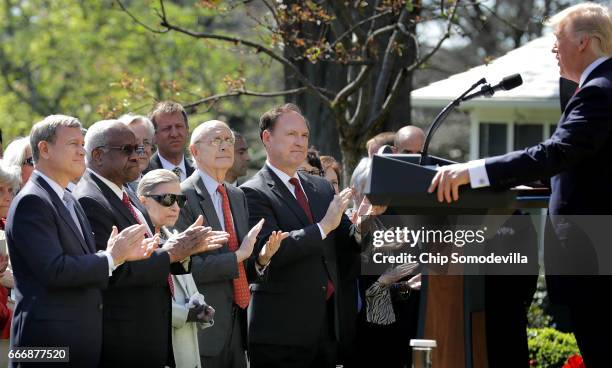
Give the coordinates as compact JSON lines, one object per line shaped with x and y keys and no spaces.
{"x":323,"y":235}
{"x":111,"y":263}
{"x":478,"y":174}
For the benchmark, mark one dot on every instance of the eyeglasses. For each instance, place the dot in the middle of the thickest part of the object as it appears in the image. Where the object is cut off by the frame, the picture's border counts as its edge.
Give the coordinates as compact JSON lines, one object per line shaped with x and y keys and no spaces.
{"x":127,"y":149}
{"x":167,"y":199}
{"x":315,"y":172}
{"x":28,"y":161}
{"x":217,"y":141}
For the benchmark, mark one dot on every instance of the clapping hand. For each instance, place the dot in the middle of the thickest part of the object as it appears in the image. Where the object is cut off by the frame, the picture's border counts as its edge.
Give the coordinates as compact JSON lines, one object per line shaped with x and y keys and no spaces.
{"x":271,"y":246}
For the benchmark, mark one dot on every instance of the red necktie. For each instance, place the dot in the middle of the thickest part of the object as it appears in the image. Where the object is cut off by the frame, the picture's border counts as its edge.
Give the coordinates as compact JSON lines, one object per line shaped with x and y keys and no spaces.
{"x":128,"y":204}
{"x":241,"y":286}
{"x":303,"y":202}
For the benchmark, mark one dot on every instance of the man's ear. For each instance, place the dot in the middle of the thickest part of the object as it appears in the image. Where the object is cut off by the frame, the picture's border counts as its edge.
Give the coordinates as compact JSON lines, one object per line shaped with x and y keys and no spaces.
{"x":96,"y":155}
{"x":43,"y":149}
{"x":265,"y":137}
{"x":193,"y":150}
{"x":584,"y":42}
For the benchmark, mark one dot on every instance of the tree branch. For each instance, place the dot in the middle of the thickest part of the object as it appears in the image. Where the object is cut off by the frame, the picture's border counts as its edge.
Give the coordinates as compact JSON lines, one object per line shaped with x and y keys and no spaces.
{"x":350,"y":30}
{"x":137,"y":21}
{"x":386,"y":68}
{"x":352,"y":86}
{"x":235,"y":93}
{"x":418,"y":62}
{"x":258,"y":47}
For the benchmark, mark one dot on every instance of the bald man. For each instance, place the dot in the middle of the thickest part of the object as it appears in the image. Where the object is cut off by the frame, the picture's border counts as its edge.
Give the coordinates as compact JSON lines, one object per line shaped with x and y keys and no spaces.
{"x":409,"y":139}
{"x":221,"y":275}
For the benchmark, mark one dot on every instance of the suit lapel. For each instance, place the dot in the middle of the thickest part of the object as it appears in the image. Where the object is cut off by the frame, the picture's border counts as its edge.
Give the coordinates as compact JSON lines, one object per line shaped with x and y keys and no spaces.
{"x":89,"y":239}
{"x":113,"y":200}
{"x":136,"y":202}
{"x":63,"y":212}
{"x":210,"y":215}
{"x":280,"y":189}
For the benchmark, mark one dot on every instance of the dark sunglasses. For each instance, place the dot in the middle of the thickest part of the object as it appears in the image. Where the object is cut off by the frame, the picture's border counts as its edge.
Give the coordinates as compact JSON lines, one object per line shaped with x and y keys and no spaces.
{"x":127,"y":149}
{"x":167,"y":200}
{"x":314,"y":172}
{"x":28,"y":161}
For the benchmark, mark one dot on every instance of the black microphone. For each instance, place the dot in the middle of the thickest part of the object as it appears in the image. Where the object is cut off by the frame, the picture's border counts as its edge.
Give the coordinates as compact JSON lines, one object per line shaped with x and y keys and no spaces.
{"x":508,"y":83}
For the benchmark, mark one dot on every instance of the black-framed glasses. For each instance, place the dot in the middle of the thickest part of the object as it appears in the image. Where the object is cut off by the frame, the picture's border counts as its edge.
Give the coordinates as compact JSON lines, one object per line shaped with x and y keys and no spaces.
{"x":127,"y":149}
{"x":412,"y":152}
{"x":168,"y":199}
{"x":315,"y":172}
{"x":29,"y":161}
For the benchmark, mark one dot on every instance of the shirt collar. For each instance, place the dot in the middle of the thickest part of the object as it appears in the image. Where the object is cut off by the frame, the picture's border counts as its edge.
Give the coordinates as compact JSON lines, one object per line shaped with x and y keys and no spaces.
{"x":281,"y":174}
{"x":118,"y":191}
{"x":53,"y":184}
{"x":210,"y":183}
{"x":169,"y":165}
{"x":590,"y":68}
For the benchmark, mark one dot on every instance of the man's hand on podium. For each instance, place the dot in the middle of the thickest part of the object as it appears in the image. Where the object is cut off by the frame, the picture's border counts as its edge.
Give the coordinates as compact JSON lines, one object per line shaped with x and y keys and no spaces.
{"x":447,"y":180}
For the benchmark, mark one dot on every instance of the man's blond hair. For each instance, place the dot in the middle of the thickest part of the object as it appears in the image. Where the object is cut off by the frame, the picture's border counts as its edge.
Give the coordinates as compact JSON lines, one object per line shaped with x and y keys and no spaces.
{"x":587,"y":18}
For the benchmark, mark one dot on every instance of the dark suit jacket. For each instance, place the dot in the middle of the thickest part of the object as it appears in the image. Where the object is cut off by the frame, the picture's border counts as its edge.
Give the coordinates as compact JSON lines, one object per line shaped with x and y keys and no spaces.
{"x":287,"y":306}
{"x":155,"y":163}
{"x":577,"y":156}
{"x":58,"y":276}
{"x":215,"y":270}
{"x":137,"y":302}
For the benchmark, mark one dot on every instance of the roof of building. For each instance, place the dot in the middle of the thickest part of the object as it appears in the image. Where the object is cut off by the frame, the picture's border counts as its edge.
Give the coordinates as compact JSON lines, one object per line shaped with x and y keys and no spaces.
{"x":534,"y":61}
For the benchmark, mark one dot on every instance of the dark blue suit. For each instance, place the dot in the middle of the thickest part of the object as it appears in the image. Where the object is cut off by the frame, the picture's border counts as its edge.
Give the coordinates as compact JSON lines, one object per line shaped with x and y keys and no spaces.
{"x":137,"y":301}
{"x":578,"y":158}
{"x":58,"y":276}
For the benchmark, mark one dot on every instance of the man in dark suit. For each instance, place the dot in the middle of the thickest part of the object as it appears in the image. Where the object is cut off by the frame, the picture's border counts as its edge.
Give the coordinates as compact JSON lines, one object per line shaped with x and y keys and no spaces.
{"x":577,"y":157}
{"x":171,"y":131}
{"x":137,"y":303}
{"x":58,"y":274}
{"x":221,"y":275}
{"x":293,"y":316}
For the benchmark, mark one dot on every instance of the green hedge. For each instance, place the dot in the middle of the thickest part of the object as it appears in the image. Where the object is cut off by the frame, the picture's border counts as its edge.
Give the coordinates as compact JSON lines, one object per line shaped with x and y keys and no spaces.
{"x":549,"y":348}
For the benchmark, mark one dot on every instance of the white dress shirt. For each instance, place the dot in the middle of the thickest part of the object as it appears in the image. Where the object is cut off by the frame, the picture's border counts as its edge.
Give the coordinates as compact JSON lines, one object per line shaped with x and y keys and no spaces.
{"x":478,"y":172}
{"x":119,"y":192}
{"x":60,"y":193}
{"x":170,"y":166}
{"x":285,"y":179}
{"x":216,"y":198}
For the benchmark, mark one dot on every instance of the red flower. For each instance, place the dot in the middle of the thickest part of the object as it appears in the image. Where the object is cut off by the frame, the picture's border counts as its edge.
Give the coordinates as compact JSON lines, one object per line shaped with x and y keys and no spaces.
{"x":575,"y":361}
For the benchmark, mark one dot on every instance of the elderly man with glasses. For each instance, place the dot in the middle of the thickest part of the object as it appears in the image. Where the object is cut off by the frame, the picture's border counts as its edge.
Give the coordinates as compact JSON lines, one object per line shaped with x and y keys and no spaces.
{"x":222,"y":275}
{"x":136,"y":318}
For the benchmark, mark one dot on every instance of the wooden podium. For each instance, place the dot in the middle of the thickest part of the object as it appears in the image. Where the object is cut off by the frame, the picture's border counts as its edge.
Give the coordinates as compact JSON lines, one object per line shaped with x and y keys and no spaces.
{"x":452,"y":306}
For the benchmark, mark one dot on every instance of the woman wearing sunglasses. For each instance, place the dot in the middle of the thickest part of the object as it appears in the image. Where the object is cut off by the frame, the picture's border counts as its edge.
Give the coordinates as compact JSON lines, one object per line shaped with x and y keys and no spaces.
{"x":160,"y":192}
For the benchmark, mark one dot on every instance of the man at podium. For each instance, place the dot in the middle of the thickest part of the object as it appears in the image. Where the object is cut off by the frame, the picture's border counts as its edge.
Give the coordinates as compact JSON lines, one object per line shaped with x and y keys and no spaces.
{"x":576,"y":157}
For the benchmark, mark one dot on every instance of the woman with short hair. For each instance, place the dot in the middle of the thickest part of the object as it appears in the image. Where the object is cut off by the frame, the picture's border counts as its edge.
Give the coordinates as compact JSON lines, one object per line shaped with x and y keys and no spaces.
{"x":19,"y":153}
{"x":160,"y":193}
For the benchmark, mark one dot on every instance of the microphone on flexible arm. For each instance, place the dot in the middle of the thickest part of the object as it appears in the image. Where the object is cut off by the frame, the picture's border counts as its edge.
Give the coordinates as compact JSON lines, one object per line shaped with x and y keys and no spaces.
{"x":506,"y":84}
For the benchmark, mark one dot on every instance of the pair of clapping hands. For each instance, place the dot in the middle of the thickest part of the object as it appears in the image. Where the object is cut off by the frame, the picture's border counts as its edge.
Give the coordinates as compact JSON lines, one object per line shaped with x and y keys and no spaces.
{"x":131,"y":245}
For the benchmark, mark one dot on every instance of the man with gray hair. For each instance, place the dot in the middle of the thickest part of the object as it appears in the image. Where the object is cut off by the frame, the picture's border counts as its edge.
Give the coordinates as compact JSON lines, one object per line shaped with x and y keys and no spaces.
{"x":577,"y":159}
{"x":222,"y":275}
{"x":137,"y":312}
{"x":58,"y":273}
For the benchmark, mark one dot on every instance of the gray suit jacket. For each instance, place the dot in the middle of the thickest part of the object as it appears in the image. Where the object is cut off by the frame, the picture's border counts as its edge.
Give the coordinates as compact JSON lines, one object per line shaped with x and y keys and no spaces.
{"x":214,"y":271}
